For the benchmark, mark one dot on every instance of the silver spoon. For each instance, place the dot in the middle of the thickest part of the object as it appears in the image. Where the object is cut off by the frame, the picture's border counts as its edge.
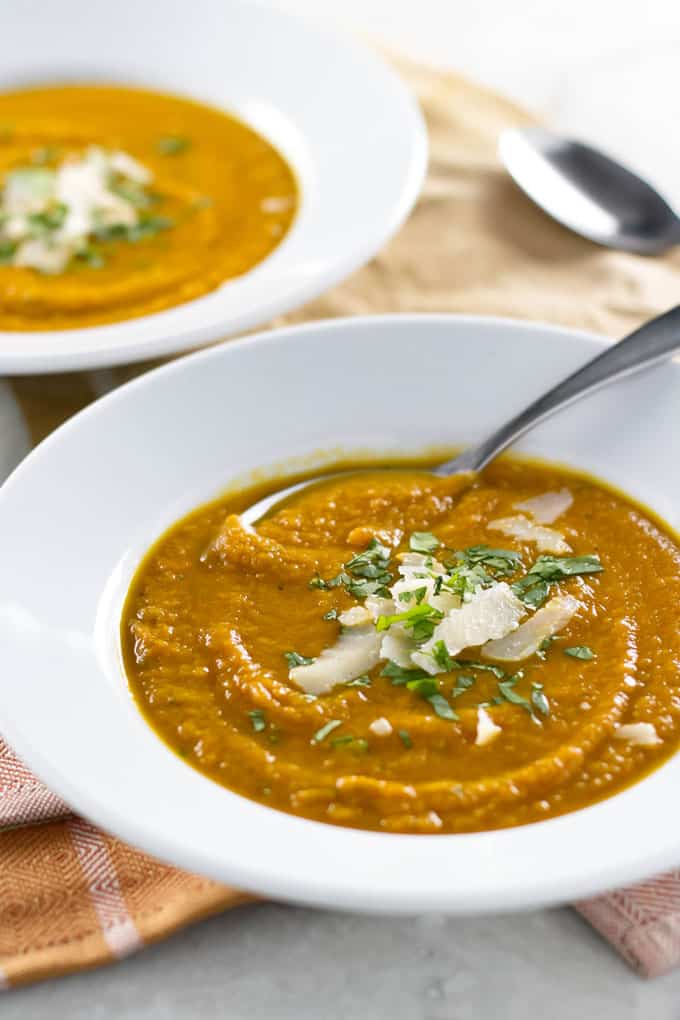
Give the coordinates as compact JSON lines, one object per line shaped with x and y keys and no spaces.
{"x":655,"y":341}
{"x":589,"y":192}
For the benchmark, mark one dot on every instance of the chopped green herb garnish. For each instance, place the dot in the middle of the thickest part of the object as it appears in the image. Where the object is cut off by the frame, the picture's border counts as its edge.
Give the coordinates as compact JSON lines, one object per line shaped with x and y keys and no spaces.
{"x":172,"y":145}
{"x":91,"y":257}
{"x":442,"y":707}
{"x":257,"y":720}
{"x":295,"y":659}
{"x":332,"y":614}
{"x":425,"y":686}
{"x":365,"y":574}
{"x":484,"y":666}
{"x":332,"y":582}
{"x":7,"y":250}
{"x":400,"y":676}
{"x":327,"y":728}
{"x":466,"y":581}
{"x":359,"y":681}
{"x":502,"y":562}
{"x":533,"y":588}
{"x":580,"y":652}
{"x":507,"y":692}
{"x":409,"y":617}
{"x":50,"y":219}
{"x":147,"y":226}
{"x":545,"y":644}
{"x":352,"y":743}
{"x":418,"y":594}
{"x":531,"y":592}
{"x":341,"y":741}
{"x":372,"y":562}
{"x":440,"y":654}
{"x":405,"y":738}
{"x":552,"y":568}
{"x":539,"y":700}
{"x":423,"y":542}
{"x":463,"y":683}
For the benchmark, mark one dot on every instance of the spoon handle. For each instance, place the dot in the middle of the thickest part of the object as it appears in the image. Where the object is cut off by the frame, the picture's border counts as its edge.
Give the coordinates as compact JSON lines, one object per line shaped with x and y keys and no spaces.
{"x":656,"y":340}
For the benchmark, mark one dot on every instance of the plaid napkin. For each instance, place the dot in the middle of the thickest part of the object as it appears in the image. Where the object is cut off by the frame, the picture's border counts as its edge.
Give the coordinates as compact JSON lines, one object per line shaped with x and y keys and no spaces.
{"x":73,"y":897}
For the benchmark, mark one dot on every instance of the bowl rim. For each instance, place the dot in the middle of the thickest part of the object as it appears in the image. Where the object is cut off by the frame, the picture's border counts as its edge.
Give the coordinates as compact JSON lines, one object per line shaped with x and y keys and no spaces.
{"x":353,"y":894}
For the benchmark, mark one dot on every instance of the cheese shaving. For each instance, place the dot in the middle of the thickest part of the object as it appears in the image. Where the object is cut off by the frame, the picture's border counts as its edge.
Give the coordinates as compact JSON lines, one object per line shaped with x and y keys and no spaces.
{"x":547,"y":507}
{"x":520,"y":527}
{"x":528,"y":637}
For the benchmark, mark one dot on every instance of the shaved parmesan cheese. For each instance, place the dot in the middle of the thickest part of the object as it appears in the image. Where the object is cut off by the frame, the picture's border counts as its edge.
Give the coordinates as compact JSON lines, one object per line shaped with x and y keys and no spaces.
{"x":397,"y":645}
{"x":641,"y":734}
{"x":357,"y":616}
{"x":48,"y":214}
{"x":444,"y":602}
{"x":356,"y":651}
{"x":379,"y":607}
{"x":526,"y":640}
{"x":487,"y":730}
{"x":490,"y":613}
{"x":381,"y":727}
{"x":38,"y":254}
{"x":548,"y":507}
{"x":546,"y":539}
{"x":127,"y":166}
{"x":419,"y":565}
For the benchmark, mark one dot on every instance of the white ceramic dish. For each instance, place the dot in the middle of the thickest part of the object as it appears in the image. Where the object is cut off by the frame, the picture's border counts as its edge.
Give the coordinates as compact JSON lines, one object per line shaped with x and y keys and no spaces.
{"x":79,"y":512}
{"x":343,"y":119}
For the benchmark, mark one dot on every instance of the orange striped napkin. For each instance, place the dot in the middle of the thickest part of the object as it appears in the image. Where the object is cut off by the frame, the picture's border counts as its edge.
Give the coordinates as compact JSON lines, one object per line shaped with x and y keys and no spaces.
{"x":73,"y":897}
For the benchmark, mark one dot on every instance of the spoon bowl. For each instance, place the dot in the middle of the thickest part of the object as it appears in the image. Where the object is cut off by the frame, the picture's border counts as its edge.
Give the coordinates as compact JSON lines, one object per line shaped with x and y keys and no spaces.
{"x":589,"y":192}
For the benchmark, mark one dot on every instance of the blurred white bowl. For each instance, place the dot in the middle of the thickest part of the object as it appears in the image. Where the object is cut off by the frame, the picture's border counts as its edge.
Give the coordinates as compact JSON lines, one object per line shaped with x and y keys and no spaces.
{"x":343,"y":119}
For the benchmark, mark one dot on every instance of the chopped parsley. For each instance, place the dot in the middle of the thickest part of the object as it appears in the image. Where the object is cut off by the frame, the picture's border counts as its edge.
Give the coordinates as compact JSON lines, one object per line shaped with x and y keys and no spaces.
{"x":533,"y":588}
{"x":418,"y":594}
{"x":365,"y":574}
{"x":423,"y":542}
{"x":466,"y":581}
{"x":580,"y":652}
{"x":400,"y":676}
{"x":353,"y":743}
{"x":497,"y":671}
{"x":421,"y":620}
{"x":405,"y":738}
{"x":502,"y":562}
{"x":539,"y":700}
{"x":327,"y":728}
{"x":442,"y":707}
{"x":172,"y":145}
{"x":359,"y":681}
{"x":428,"y":689}
{"x":463,"y":683}
{"x":440,"y":654}
{"x":425,"y":686}
{"x":257,"y":719}
{"x":47,"y":220}
{"x":295,"y":659}
{"x":332,"y":614}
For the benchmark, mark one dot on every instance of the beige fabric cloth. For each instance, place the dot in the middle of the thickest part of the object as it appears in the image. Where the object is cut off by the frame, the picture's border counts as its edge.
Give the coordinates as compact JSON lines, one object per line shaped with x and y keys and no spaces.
{"x":72,"y":897}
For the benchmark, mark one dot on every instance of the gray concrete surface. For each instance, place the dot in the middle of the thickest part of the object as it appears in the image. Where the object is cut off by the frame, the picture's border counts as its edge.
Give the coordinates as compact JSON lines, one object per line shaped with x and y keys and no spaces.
{"x":269,"y":962}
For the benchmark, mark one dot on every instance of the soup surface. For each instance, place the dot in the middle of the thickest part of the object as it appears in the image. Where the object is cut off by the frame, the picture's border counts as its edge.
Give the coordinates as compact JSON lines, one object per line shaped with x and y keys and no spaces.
{"x":400,"y":652}
{"x":119,"y":202}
